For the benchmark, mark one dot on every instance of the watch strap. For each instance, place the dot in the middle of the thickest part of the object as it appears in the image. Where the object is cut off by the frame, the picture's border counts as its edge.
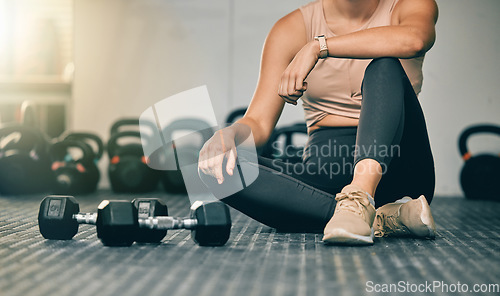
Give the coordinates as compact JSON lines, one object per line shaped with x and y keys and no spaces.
{"x":323,"y":47}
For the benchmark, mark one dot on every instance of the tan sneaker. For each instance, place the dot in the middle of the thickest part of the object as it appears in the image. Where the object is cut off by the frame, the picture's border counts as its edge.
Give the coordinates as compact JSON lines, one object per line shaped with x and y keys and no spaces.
{"x":353,"y":218}
{"x":405,"y":217}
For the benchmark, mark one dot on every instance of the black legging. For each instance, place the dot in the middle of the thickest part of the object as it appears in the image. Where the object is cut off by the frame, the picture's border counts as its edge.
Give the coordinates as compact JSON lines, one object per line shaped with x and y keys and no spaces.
{"x":299,"y":197}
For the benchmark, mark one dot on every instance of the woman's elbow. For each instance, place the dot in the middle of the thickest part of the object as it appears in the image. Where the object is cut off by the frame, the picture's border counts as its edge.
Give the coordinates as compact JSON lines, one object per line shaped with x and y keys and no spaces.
{"x":416,"y":47}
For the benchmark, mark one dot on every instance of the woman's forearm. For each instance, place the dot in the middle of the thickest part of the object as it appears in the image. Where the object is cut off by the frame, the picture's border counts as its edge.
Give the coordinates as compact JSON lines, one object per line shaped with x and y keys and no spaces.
{"x":242,"y":128}
{"x":388,"y":41}
{"x":410,"y":34}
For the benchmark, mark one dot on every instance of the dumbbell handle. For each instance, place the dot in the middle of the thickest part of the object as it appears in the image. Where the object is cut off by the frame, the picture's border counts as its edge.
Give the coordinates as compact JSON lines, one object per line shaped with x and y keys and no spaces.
{"x":86,"y":218}
{"x":165,"y":223}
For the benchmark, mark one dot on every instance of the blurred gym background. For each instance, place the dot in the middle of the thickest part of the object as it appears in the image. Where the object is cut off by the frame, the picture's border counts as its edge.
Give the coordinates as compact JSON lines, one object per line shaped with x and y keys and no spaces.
{"x":86,"y":63}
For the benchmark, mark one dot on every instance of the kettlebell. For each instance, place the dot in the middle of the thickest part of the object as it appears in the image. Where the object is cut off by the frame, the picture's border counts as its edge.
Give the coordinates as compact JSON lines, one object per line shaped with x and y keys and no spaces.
{"x":24,"y":161}
{"x":290,"y":152}
{"x":185,"y":150}
{"x":29,"y":113}
{"x":235,"y":115}
{"x":73,"y":176}
{"x":480,"y":174}
{"x":89,"y":138}
{"x":120,"y":123}
{"x":128,"y":170}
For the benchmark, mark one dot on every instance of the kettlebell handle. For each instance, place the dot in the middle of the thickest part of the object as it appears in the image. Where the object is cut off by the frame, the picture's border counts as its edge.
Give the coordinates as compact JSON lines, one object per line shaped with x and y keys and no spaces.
{"x":123,"y":122}
{"x":93,"y":137}
{"x":475,"y":129}
{"x":287,"y":131}
{"x":231,"y":118}
{"x":59,"y":149}
{"x":191,"y":124}
{"x":29,"y":114}
{"x":113,"y":141}
{"x":24,"y":130}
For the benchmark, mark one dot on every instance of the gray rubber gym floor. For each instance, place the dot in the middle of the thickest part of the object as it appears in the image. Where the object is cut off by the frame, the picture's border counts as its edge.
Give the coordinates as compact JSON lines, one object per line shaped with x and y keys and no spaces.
{"x":256,"y":260}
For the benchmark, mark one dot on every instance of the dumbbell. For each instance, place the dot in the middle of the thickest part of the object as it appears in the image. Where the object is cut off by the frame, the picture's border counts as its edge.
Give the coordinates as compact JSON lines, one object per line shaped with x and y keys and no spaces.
{"x":209,"y":222}
{"x":149,"y":207}
{"x":115,"y":220}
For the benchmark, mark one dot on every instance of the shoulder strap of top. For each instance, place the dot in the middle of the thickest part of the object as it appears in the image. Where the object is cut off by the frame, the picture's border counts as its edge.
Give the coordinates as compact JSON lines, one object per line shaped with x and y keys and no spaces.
{"x":394,"y":2}
{"x":308,"y":12}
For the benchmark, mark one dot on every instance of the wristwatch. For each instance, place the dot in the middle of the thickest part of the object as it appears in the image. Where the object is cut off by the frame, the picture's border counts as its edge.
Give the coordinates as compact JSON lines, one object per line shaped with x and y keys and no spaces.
{"x":323,"y":48}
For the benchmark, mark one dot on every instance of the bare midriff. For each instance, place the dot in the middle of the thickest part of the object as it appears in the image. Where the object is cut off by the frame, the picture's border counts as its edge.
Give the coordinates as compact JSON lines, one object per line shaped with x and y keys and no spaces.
{"x":332,"y":120}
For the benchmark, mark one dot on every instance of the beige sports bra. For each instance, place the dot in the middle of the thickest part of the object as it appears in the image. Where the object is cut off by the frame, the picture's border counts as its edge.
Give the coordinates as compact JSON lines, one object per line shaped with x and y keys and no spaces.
{"x":334,"y":85}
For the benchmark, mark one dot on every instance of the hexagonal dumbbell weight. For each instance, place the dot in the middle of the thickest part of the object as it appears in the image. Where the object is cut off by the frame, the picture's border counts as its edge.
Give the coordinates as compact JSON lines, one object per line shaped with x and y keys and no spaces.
{"x":149,"y":207}
{"x":116,"y":221}
{"x":209,"y":222}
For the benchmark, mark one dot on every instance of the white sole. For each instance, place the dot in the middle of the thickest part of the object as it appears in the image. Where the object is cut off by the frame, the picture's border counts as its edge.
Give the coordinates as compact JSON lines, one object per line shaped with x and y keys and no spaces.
{"x":426,"y":217}
{"x":341,"y":237}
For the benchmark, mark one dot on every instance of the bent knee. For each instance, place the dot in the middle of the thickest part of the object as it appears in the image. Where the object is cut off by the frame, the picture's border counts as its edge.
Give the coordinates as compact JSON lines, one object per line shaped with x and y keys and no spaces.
{"x":383,"y":65}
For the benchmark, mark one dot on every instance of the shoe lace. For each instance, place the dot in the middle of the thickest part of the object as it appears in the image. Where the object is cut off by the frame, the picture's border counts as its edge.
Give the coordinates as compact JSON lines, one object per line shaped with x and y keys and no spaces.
{"x":389,"y":224}
{"x":354,"y":202}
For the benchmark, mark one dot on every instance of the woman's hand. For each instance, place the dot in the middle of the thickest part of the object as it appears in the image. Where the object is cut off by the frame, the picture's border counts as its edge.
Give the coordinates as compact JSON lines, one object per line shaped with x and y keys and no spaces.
{"x":221,"y":145}
{"x":292,"y":84}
